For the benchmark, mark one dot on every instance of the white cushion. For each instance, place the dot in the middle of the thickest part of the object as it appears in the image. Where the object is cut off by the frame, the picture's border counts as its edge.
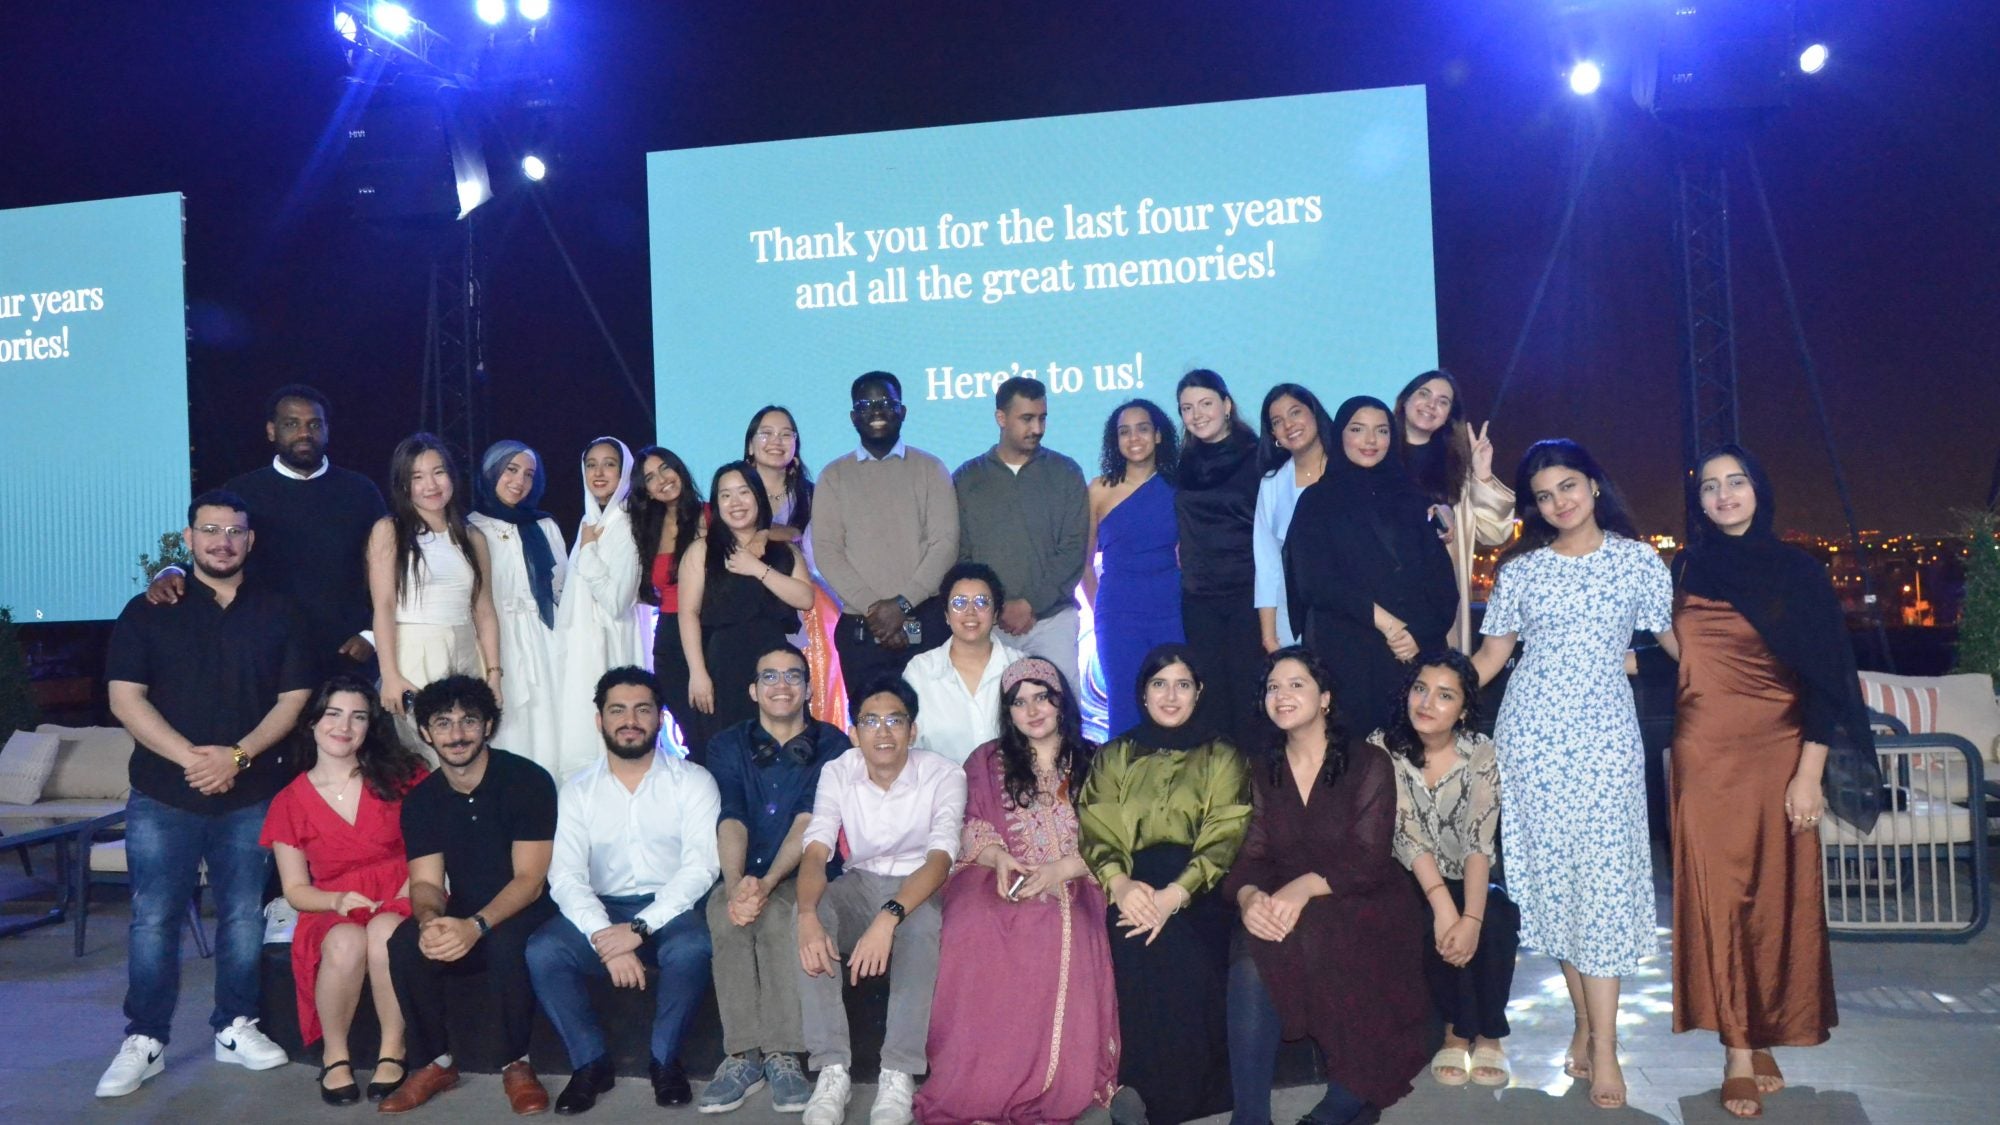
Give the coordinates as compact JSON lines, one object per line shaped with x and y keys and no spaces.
{"x":93,"y":765}
{"x":1966,"y":706}
{"x":25,"y":765}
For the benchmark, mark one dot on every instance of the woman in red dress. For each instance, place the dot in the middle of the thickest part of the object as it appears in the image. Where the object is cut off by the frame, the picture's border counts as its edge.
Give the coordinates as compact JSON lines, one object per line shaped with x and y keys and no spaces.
{"x":337,"y":833}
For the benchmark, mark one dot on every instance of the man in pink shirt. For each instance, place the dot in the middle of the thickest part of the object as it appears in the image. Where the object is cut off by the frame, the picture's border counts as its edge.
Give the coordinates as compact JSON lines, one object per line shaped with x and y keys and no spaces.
{"x":901,"y":811}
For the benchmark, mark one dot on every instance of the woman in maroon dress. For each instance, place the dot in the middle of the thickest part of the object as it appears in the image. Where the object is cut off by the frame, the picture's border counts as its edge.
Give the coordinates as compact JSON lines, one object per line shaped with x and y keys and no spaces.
{"x":337,"y":834}
{"x":1336,"y":933}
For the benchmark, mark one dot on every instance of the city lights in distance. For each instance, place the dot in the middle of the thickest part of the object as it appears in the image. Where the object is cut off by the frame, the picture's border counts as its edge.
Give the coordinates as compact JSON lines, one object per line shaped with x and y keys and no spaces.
{"x":533,"y":167}
{"x":491,"y":11}
{"x":343,"y":22}
{"x":392,"y":20}
{"x":1584,"y":78}
{"x":1813,"y":59}
{"x":533,"y":9}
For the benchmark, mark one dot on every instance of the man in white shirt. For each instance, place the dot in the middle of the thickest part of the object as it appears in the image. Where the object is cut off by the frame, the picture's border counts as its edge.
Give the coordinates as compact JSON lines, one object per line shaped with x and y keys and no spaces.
{"x":634,"y":858}
{"x":901,"y":811}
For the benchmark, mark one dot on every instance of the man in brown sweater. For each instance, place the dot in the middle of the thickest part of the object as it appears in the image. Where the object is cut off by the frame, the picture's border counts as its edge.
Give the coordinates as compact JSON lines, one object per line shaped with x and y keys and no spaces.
{"x":884,"y":531}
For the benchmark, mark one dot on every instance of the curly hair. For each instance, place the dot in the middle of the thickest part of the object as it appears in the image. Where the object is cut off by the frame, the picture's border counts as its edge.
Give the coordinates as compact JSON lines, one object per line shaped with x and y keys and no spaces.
{"x":1336,"y":734}
{"x":1400,"y":737}
{"x":388,"y":768}
{"x":1166,"y":455}
{"x":1017,"y":757}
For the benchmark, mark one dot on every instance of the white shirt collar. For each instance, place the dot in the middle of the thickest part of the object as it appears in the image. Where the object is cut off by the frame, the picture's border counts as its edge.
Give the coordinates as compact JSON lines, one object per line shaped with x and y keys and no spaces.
{"x":278,"y":463}
{"x":899,"y":450}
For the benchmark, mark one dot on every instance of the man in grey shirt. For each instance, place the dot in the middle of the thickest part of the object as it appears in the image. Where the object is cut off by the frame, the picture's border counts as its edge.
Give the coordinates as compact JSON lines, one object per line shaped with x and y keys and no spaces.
{"x":1025,"y":511}
{"x":884,"y":531}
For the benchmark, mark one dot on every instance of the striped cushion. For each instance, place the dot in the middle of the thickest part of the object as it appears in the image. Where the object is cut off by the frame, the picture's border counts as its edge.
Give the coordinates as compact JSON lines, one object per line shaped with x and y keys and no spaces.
{"x":1916,"y":708}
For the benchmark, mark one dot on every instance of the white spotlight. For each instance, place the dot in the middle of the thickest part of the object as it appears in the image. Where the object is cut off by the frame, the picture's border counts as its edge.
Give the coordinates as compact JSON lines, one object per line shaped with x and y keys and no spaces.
{"x":391,"y":19}
{"x":533,"y":168}
{"x":343,"y":22}
{"x":1584,"y":78}
{"x":534,"y":9}
{"x":1813,"y":58}
{"x":491,"y":11}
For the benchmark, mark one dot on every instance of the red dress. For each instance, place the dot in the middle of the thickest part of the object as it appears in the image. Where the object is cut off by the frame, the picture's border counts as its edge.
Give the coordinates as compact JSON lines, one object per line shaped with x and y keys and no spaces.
{"x":366,"y":857}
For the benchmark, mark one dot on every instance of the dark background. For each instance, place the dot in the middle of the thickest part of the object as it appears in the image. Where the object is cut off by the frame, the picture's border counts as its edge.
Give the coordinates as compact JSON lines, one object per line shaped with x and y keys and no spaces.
{"x":1882,"y":176}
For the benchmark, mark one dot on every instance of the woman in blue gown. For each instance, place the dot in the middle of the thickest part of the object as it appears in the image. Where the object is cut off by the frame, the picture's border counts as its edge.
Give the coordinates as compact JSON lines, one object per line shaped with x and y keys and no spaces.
{"x":1135,"y":595}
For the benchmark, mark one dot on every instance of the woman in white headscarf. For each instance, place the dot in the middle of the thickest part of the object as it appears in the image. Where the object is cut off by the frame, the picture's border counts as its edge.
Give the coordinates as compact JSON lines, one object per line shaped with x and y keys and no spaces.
{"x":597,"y":623}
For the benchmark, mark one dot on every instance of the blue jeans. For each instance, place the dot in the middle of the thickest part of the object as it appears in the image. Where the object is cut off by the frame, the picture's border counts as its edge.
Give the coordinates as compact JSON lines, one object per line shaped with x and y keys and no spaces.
{"x":1254,"y":1034}
{"x":562,"y":962}
{"x":164,"y":848}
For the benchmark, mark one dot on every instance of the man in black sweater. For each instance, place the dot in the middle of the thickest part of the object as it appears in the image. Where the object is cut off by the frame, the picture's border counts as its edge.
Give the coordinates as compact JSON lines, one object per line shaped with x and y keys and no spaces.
{"x":312,"y":520}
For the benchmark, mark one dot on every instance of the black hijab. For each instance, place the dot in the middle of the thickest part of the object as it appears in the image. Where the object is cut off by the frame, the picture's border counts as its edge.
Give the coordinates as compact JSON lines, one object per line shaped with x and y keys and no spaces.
{"x":1385,"y":486}
{"x":1148,"y":736}
{"x":1787,"y":597}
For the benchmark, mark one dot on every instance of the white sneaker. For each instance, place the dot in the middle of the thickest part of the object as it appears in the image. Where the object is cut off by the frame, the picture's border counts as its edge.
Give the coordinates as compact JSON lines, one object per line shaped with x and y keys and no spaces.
{"x":241,"y":1043}
{"x":139,"y":1058}
{"x":828,"y":1105}
{"x":893,"y":1096}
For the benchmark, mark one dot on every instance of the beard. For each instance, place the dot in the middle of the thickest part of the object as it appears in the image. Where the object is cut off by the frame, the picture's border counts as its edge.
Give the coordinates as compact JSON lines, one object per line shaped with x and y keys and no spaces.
{"x":628,"y":753}
{"x":223,"y":574}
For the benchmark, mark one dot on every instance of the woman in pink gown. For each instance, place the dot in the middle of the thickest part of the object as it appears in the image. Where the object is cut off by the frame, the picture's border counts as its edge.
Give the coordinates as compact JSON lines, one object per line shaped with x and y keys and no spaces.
{"x":337,"y":834}
{"x":1024,"y":1024}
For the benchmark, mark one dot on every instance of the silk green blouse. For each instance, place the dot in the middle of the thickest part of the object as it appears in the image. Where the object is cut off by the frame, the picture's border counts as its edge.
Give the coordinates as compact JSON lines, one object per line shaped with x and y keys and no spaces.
{"x":1137,"y":798}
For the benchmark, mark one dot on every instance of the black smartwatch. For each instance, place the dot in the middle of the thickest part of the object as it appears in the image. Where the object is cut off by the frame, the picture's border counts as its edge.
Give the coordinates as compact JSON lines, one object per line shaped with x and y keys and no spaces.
{"x":895,"y":908}
{"x":903,"y":604}
{"x":480,"y":921}
{"x":640,"y":927}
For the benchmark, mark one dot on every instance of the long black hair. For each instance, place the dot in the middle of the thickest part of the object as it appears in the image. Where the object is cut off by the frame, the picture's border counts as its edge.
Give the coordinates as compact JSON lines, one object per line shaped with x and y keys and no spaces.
{"x":1561,"y":453}
{"x":1400,"y":736}
{"x":409,"y":523}
{"x":1270,"y":455}
{"x":798,"y":481}
{"x":388,"y":768}
{"x":1161,"y":657}
{"x":1336,"y":734}
{"x":1166,"y":455}
{"x":721,"y":540}
{"x":649,"y":515}
{"x":1017,"y":756}
{"x":1446,"y":481}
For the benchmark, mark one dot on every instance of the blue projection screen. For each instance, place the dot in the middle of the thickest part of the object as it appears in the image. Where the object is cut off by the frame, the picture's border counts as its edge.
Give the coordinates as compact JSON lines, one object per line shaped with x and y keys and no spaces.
{"x":93,"y":401}
{"x":1274,"y":240}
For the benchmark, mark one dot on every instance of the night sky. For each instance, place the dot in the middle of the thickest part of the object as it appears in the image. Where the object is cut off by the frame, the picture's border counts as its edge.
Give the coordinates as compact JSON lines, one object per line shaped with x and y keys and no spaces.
{"x":1883,"y":177}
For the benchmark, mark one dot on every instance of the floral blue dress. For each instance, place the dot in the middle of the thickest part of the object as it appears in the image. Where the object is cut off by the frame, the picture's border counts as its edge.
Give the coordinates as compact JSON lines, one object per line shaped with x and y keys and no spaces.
{"x":1573,"y":780}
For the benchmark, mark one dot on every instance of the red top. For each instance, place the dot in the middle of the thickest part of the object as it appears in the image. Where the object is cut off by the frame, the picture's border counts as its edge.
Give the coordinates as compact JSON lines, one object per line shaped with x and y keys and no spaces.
{"x":666,"y":583}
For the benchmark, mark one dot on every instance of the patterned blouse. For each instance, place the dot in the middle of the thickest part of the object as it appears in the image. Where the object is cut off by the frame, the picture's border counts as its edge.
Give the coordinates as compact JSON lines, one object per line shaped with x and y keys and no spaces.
{"x":1043,"y":832}
{"x":1455,"y":820}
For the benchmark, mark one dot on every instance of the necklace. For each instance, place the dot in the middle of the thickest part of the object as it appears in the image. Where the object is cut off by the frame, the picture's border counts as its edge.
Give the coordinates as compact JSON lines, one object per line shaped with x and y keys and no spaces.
{"x":345,"y":786}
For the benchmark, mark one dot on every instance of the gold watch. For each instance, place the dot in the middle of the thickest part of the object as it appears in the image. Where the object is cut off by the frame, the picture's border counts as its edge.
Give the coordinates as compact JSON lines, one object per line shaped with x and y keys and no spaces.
{"x":241,"y":756}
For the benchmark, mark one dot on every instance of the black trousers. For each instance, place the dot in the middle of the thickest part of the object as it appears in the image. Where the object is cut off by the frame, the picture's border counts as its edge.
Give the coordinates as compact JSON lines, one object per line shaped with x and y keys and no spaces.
{"x":1223,"y":632}
{"x":501,"y":956}
{"x":1473,"y":999}
{"x":670,"y":667}
{"x":862,"y":659}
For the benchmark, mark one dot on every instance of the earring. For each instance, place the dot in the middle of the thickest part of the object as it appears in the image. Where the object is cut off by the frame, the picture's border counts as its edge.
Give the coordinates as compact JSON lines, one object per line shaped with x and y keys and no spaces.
{"x":1593,"y":492}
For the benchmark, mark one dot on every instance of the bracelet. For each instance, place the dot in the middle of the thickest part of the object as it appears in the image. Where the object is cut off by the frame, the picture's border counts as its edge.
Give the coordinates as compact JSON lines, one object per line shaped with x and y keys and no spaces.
{"x":766,"y":576}
{"x":1475,"y":918}
{"x":1433,"y":887}
{"x":494,"y":671}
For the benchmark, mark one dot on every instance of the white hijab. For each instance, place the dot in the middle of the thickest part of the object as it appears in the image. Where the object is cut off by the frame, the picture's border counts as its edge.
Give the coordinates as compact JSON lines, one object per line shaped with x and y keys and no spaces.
{"x":614,"y":509}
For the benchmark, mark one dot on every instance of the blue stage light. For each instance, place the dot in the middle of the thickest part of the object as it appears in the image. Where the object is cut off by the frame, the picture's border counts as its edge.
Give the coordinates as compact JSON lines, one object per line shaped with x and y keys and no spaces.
{"x":534,"y":9}
{"x":392,"y":20}
{"x":492,"y":11}
{"x":1813,"y":58}
{"x":1584,"y":78}
{"x":533,"y":168}
{"x":343,"y":22}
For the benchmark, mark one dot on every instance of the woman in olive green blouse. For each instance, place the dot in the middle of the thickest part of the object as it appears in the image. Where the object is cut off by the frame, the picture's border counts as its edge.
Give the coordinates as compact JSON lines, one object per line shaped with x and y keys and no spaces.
{"x":1162,"y":814}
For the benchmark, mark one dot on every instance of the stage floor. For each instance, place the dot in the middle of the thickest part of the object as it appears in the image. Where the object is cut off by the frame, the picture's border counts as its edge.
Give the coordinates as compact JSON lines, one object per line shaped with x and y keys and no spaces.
{"x":1919,"y":1032}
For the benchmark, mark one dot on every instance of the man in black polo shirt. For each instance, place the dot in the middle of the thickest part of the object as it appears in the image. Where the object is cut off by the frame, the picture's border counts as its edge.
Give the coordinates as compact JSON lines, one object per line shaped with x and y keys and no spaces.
{"x":314,"y":518}
{"x":485,"y":821}
{"x":209,"y":687}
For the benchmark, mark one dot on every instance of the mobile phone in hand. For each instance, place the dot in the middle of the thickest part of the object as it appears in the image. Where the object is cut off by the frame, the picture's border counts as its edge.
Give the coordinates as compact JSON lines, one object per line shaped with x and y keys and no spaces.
{"x":1020,"y":878}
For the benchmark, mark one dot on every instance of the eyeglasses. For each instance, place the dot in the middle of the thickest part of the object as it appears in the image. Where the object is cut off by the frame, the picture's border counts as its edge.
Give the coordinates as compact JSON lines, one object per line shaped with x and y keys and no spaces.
{"x":232,"y":531}
{"x":772,"y":677}
{"x":443,"y":723}
{"x":876,"y":406}
{"x":782,"y":435}
{"x":879,"y":722}
{"x":961,"y":602}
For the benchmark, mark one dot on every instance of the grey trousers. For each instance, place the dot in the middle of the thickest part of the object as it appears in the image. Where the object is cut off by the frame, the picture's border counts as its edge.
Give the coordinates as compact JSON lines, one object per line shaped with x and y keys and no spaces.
{"x":846,"y":910}
{"x":756,"y":971}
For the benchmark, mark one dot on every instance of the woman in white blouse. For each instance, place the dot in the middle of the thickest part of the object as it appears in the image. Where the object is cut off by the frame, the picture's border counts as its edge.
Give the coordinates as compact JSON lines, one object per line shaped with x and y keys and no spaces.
{"x":529,"y":564}
{"x":958,"y":682}
{"x":597,"y":623}
{"x":1292,"y":457}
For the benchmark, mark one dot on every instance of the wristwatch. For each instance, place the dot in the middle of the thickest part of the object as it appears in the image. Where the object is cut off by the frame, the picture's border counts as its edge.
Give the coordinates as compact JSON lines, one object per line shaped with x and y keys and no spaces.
{"x":895,"y":908}
{"x":640,"y":927}
{"x":241,"y":758}
{"x":903,"y":604}
{"x":480,"y":921}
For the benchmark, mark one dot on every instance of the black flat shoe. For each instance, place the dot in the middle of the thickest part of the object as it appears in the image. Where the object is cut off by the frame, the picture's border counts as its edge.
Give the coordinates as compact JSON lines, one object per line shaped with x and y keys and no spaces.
{"x":379,"y":1090}
{"x":337,"y":1095}
{"x":670,"y":1083}
{"x":584,"y":1086}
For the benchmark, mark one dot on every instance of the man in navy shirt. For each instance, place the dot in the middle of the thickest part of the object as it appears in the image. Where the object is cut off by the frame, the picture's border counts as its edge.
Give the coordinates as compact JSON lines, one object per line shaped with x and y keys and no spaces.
{"x":767,"y":770}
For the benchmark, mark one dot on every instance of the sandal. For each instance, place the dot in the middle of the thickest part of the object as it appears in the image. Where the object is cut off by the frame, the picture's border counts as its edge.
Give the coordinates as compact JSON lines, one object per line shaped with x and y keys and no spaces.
{"x":1451,"y":1058}
{"x":1742,"y":1090}
{"x":337,"y":1095}
{"x":1608,"y":1097}
{"x":1763,"y":1065}
{"x":1574,"y":1067}
{"x":1490,"y":1058}
{"x":379,"y":1090}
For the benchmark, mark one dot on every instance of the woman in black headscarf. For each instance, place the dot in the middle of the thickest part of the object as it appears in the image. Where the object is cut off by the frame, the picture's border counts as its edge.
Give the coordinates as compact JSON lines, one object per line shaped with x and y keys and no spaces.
{"x":1769,"y":729}
{"x":1370,"y":583}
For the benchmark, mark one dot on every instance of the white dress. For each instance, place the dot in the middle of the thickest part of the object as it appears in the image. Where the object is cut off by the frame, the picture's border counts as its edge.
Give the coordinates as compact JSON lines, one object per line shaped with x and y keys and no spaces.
{"x":435,"y":636}
{"x":597,"y":622}
{"x":528,"y":715}
{"x":1572,"y":769}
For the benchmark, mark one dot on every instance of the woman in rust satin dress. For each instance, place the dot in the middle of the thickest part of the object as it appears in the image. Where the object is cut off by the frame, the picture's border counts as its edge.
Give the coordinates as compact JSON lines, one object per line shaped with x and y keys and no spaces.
{"x":1765,"y":671}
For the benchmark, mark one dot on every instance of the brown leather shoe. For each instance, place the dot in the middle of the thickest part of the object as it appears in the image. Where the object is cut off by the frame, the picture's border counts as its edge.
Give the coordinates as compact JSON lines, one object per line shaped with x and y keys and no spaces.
{"x":524,"y":1091}
{"x":423,"y":1084}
